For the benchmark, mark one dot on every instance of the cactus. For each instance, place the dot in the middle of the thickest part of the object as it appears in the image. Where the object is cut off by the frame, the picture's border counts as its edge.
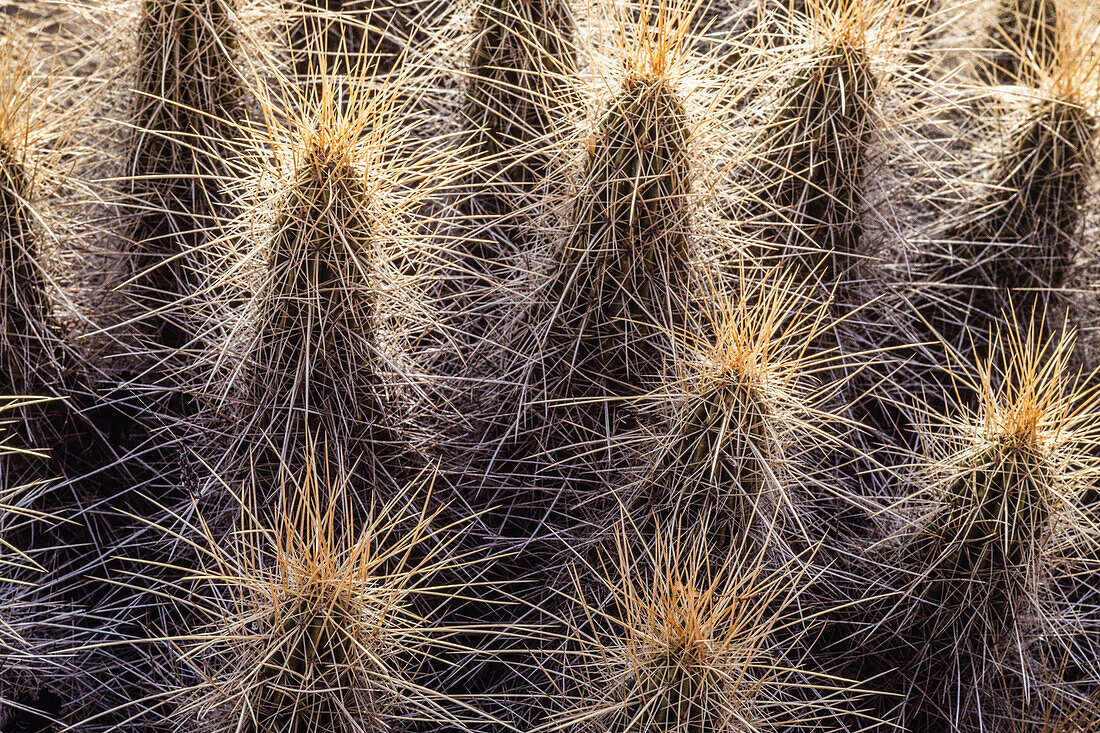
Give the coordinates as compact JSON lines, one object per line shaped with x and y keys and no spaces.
{"x":320,"y":307}
{"x":721,"y":444}
{"x":622,"y":280}
{"x":1015,"y":248}
{"x":668,"y":640}
{"x":743,"y":409}
{"x":309,"y":618}
{"x":814,"y":160}
{"x":520,"y":68}
{"x":27,"y":349}
{"x":622,"y":283}
{"x":190,"y":91}
{"x":35,"y":360}
{"x":978,"y":559}
{"x":1023,"y":38}
{"x":314,"y":361}
{"x":661,"y":294}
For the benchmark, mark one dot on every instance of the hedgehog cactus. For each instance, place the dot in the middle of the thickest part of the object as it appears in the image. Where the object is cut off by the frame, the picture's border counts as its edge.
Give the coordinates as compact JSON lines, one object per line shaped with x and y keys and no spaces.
{"x":1024,"y":37}
{"x":993,"y":518}
{"x":677,"y":690}
{"x":520,"y":68}
{"x":32,"y":354}
{"x":722,"y":460}
{"x":678,"y":638}
{"x":815,"y":162}
{"x":667,"y":288}
{"x":24,"y":308}
{"x":622,"y":288}
{"x":314,"y":649}
{"x":980,"y":557}
{"x":1012,"y":250}
{"x":311,"y":618}
{"x":314,"y":360}
{"x":745,"y":405}
{"x":682,"y":662}
{"x":189,"y":93}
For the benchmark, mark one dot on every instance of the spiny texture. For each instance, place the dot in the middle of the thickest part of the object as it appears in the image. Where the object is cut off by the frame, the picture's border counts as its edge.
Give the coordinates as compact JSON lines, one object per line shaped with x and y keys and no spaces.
{"x":24,"y":305}
{"x":813,"y":163}
{"x":696,"y":471}
{"x":32,"y":353}
{"x":35,"y":623}
{"x":520,"y":67}
{"x":325,"y":37}
{"x":308,"y":620}
{"x":719,"y":454}
{"x":725,"y":457}
{"x":979,"y":554}
{"x":622,"y":284}
{"x":336,"y":37}
{"x":16,"y":652}
{"x":674,"y":642}
{"x":314,"y":363}
{"x":189,"y":91}
{"x":1024,"y":38}
{"x":1011,"y":249}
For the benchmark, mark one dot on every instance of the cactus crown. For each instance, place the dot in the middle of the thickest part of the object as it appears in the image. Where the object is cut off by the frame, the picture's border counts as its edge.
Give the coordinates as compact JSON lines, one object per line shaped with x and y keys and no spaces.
{"x":750,"y":391}
{"x":1031,"y":423}
{"x":323,"y":639}
{"x":319,"y":297}
{"x":1028,"y":407}
{"x":981,"y":572}
{"x":678,"y":642}
{"x":311,"y":626}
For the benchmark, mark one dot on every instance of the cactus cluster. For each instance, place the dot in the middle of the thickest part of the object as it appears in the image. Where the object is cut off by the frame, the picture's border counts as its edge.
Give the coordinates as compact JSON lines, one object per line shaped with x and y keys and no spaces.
{"x":536,"y":366}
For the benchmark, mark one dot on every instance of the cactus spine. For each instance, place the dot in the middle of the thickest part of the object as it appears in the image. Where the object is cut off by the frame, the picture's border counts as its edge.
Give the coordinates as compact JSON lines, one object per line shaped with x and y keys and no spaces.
{"x":1024,"y":39}
{"x":979,"y":560}
{"x":1011,"y":251}
{"x":816,"y":161}
{"x":314,"y":364}
{"x":33,"y":359}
